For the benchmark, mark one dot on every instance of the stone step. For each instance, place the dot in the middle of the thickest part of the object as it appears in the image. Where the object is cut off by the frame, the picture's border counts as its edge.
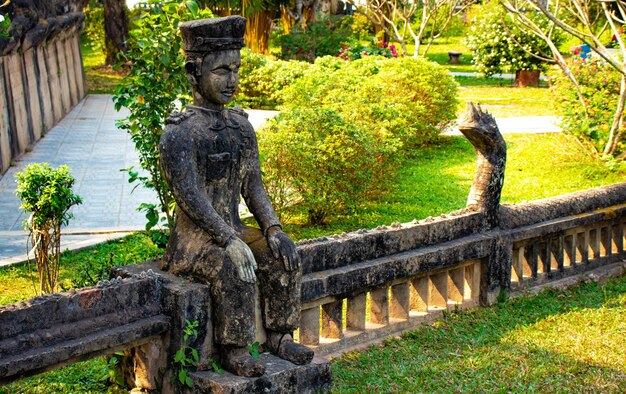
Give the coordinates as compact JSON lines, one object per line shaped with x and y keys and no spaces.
{"x":281,"y":377}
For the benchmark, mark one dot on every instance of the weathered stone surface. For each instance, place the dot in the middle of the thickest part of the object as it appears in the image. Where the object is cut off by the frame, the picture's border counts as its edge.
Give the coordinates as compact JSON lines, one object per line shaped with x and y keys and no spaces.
{"x":351,"y":279}
{"x":281,"y":377}
{"x":334,"y":252}
{"x":36,"y":21}
{"x":481,"y":130}
{"x":78,"y":325}
{"x":210,"y":159}
{"x":514,"y":216}
{"x":41,"y":60}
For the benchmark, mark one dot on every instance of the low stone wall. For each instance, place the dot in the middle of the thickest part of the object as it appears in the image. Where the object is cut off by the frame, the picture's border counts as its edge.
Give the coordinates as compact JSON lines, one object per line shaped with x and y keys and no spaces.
{"x":41,"y":71}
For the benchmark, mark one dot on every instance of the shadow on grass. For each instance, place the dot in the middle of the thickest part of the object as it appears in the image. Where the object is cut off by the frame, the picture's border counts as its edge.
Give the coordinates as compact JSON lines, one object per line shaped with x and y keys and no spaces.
{"x":558,"y":341}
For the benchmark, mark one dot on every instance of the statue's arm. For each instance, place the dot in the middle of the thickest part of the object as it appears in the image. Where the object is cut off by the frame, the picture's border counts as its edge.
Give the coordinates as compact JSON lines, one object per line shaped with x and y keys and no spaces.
{"x":179,"y":166}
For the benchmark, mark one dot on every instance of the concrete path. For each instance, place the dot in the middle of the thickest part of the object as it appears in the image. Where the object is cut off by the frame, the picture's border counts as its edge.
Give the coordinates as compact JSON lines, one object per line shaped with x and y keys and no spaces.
{"x":89,"y":143}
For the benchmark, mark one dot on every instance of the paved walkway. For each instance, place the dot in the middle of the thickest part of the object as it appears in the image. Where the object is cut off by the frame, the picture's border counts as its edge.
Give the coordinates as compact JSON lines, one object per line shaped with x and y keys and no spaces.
{"x":95,"y":150}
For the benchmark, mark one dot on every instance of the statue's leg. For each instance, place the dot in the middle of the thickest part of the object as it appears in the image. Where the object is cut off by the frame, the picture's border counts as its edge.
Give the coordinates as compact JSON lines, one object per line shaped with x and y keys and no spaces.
{"x":280,"y":300}
{"x":234,"y":325}
{"x":232,"y":300}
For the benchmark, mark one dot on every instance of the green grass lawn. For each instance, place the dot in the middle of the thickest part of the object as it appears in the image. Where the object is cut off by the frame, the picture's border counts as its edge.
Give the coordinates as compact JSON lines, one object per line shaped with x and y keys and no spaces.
{"x":438,"y":53}
{"x":100,"y":78}
{"x":501,"y":99}
{"x":556,"y":342}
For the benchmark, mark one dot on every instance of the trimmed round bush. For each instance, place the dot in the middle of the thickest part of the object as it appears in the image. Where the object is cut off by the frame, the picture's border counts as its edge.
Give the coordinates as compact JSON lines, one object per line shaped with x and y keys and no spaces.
{"x":344,"y":125}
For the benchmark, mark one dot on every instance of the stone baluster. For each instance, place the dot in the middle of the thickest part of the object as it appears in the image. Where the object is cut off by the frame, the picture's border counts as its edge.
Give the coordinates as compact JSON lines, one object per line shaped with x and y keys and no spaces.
{"x":517,"y":273}
{"x":355,"y":314}
{"x":456,"y":282}
{"x":569,"y":249}
{"x":400,"y":301}
{"x":310,"y":326}
{"x":332,"y":320}
{"x":582,"y":247}
{"x":556,"y":254}
{"x":605,"y":241}
{"x":379,"y":306}
{"x":617,"y":237}
{"x":530,"y":255}
{"x":438,"y":292}
{"x":594,"y":243}
{"x":420,"y":295}
{"x":472,"y":282}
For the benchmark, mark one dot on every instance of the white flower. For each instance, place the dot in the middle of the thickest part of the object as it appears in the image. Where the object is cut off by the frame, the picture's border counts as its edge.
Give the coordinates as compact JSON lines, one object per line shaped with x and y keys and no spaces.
{"x":1,"y":18}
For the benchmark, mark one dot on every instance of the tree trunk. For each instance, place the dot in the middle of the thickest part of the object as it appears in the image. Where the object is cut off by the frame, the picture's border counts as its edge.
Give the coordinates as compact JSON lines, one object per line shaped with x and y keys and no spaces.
{"x":115,"y":29}
{"x":258,"y":31}
{"x":525,"y":78}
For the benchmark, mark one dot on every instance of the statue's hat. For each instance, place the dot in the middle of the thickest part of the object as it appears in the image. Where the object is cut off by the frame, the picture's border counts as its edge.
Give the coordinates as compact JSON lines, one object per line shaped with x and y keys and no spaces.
{"x":214,"y":34}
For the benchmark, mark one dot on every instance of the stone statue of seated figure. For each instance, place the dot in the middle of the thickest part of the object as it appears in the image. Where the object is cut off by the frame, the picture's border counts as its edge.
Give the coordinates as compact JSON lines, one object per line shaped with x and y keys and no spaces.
{"x":210,"y":158}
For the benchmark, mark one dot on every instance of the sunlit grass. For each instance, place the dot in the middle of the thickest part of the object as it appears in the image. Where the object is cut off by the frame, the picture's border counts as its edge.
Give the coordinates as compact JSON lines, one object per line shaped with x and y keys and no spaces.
{"x":100,"y":78}
{"x":19,"y":282}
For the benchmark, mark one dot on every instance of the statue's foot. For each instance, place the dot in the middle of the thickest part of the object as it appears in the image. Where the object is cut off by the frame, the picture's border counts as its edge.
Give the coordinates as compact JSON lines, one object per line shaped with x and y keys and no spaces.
{"x":239,"y":361}
{"x":284,"y":347}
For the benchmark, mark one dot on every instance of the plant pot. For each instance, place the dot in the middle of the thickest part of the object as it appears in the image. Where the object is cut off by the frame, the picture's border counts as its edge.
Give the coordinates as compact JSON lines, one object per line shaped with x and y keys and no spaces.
{"x":526,"y":78}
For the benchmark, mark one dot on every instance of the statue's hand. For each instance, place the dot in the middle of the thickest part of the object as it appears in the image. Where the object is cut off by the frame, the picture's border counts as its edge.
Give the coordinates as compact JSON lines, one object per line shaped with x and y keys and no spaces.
{"x":283,"y":248}
{"x":243,"y":259}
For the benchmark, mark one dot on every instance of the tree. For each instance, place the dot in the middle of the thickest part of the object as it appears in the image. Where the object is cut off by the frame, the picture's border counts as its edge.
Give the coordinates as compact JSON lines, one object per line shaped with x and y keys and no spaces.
{"x":592,"y":22}
{"x":500,"y":44}
{"x":115,"y":29}
{"x":418,"y":20}
{"x":259,"y":15}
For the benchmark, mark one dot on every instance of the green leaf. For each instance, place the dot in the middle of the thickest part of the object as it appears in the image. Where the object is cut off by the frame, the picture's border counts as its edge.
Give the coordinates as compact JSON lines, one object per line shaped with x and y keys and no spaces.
{"x":179,"y":356}
{"x":192,"y":6}
{"x":182,"y":376}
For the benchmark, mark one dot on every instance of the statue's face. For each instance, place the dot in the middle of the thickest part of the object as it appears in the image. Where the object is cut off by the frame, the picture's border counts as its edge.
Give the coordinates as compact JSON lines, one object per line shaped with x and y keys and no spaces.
{"x":220,"y":76}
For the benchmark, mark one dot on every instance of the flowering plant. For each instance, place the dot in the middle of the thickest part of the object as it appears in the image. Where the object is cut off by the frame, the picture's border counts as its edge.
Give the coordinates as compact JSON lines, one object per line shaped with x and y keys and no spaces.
{"x":600,"y":86}
{"x":499,"y":45}
{"x":357,"y":51}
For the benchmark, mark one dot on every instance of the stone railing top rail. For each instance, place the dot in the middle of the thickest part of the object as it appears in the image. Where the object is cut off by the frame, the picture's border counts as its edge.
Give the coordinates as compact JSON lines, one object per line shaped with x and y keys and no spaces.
{"x":36,"y":21}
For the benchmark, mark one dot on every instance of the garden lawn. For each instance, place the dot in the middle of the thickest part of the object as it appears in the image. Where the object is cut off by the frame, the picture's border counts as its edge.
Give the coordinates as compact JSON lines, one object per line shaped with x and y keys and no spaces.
{"x":78,"y":269}
{"x":570,"y":341}
{"x":501,"y":99}
{"x":438,"y":53}
{"x":101,"y":79}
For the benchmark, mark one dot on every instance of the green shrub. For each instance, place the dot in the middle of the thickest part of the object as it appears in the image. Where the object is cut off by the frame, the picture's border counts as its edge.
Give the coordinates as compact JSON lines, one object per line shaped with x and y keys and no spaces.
{"x":93,"y":31}
{"x":5,"y":23}
{"x":46,"y":192}
{"x":343,"y":124}
{"x":600,"y":86}
{"x":317,"y":39}
{"x":495,"y":43}
{"x":156,"y":82}
{"x":313,"y":154}
{"x":262,"y":80}
{"x":402,"y":102}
